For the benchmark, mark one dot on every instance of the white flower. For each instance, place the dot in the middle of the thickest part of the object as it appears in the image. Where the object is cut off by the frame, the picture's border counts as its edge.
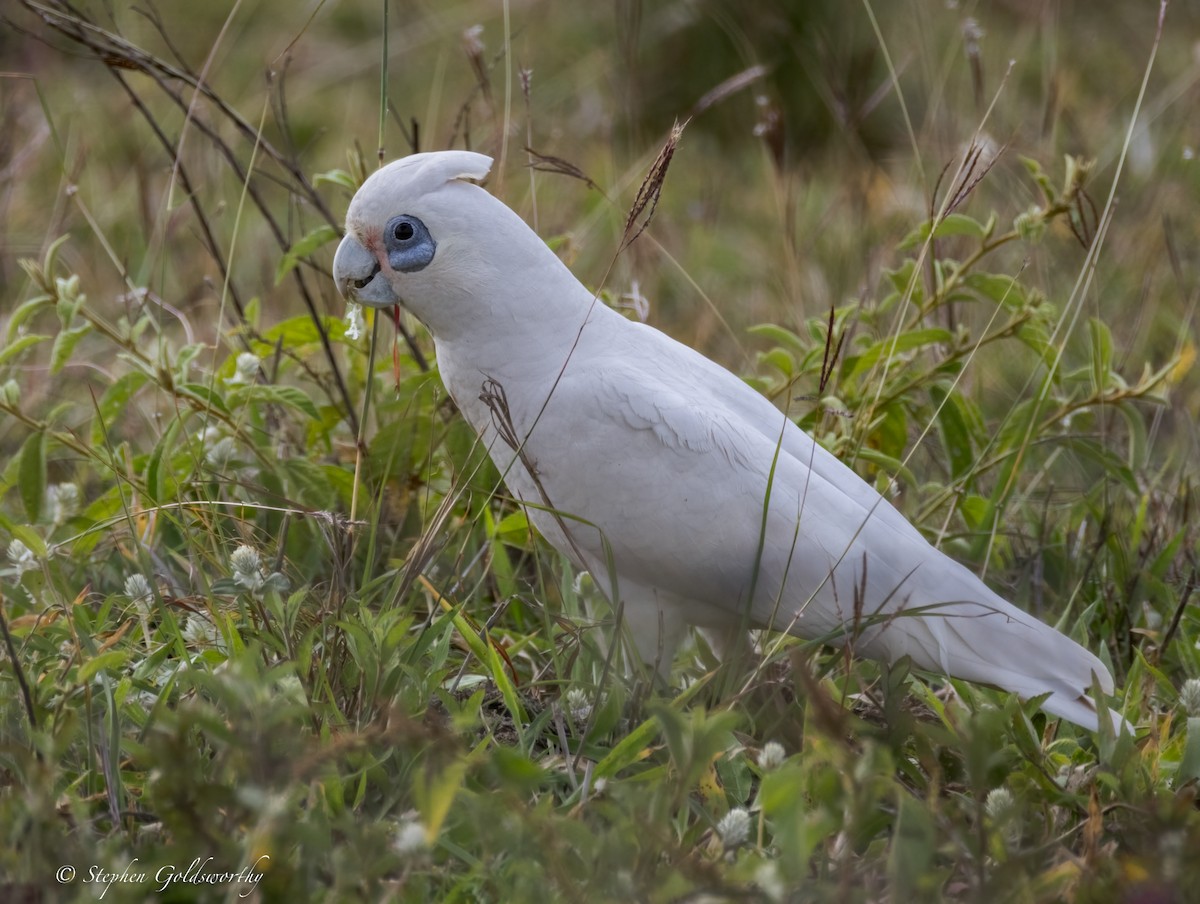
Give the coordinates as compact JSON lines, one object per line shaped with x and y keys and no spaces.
{"x":1189,"y":697}
{"x":1005,"y":813}
{"x":138,"y":589}
{"x":246,"y":565}
{"x":579,"y":704}
{"x":202,"y":634}
{"x":409,"y":837}
{"x":221,"y":453}
{"x":767,"y":878}
{"x":247,"y":369}
{"x":1000,"y":804}
{"x":734,"y":827}
{"x":21,"y":556}
{"x":62,"y":501}
{"x":355,"y":326}
{"x":771,"y":755}
{"x":67,"y":289}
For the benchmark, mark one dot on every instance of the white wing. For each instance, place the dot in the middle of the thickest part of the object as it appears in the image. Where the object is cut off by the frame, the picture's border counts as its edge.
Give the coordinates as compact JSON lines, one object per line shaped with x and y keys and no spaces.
{"x":705,"y":492}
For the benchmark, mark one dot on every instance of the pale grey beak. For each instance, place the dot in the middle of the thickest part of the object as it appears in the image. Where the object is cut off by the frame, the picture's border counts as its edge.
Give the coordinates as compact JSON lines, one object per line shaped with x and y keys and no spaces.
{"x":358,"y":278}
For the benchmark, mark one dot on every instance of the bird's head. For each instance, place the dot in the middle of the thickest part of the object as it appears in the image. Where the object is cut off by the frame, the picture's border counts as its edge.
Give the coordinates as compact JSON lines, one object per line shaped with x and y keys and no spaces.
{"x":421,"y":234}
{"x":410,"y":231}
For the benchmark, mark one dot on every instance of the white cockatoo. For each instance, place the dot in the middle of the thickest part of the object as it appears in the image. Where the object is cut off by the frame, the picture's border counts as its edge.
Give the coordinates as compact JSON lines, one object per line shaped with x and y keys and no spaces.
{"x":691,"y":499}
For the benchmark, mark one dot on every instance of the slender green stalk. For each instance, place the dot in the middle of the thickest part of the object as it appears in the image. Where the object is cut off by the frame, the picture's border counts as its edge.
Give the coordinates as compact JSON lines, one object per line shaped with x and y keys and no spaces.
{"x":362,"y":421}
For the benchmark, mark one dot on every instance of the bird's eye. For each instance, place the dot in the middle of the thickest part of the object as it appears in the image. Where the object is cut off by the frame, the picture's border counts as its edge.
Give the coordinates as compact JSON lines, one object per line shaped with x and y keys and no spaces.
{"x":410,"y":247}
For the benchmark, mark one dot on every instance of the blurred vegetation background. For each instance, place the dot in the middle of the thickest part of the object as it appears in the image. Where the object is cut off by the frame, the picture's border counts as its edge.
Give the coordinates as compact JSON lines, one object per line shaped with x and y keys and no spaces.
{"x":401,"y":709}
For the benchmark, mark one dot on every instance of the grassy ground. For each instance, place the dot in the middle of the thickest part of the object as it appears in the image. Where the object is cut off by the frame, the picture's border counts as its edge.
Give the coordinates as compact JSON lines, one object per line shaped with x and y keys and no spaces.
{"x":208,"y":667}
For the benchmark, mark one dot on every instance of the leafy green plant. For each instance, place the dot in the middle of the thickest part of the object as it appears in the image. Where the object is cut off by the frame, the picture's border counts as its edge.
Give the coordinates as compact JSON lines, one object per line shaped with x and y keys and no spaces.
{"x":204,"y":654}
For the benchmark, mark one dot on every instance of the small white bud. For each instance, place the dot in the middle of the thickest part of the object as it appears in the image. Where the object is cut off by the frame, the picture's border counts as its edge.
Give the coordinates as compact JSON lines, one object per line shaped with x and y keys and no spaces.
{"x":771,"y":756}
{"x":246,"y":369}
{"x":21,"y":556}
{"x":246,"y":565}
{"x":199,"y":632}
{"x":62,"y":501}
{"x":579,"y":704}
{"x":734,"y":827}
{"x":1189,"y":697}
{"x":409,"y":838}
{"x":138,"y":589}
{"x":221,"y":453}
{"x":1005,"y":814}
{"x":1000,"y":804}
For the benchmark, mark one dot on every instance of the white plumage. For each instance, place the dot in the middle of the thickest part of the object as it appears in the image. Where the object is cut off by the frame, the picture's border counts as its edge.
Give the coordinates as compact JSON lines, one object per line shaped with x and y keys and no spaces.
{"x":712,"y":507}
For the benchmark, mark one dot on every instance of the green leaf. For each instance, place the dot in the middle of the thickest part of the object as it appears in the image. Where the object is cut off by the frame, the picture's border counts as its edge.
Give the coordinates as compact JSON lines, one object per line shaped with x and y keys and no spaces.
{"x":322,"y":235}
{"x":435,"y":795}
{"x":1004,"y":290}
{"x":956,"y":436}
{"x":1139,"y":451}
{"x":780,"y":360}
{"x":780,"y":336}
{"x":951,"y":224}
{"x":635,"y":745}
{"x":301,"y":330}
{"x":914,"y":843}
{"x":13,"y":349}
{"x":156,"y":478}
{"x":1101,"y":353}
{"x":26,"y":534}
{"x":114,"y":401}
{"x":64,"y":344}
{"x":1189,"y":765}
{"x":1039,"y":176}
{"x":974,"y":510}
{"x":33,"y":474}
{"x":26,"y":310}
{"x":110,"y":659}
{"x":898,"y":345}
{"x":337,"y":177}
{"x":203,"y":394}
{"x":269,"y":393}
{"x":631,"y":748}
{"x":1110,"y":464}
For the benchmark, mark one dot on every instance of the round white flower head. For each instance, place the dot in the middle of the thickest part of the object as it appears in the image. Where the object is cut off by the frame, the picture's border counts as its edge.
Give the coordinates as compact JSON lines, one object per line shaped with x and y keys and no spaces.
{"x":1189,"y":697}
{"x":579,"y":704}
{"x":246,"y":565}
{"x":771,"y":755}
{"x":138,"y":589}
{"x":409,"y":837}
{"x":62,"y":501}
{"x":222,"y":452}
{"x":21,"y":556}
{"x":1000,"y":804}
{"x":734,"y":827}
{"x":246,"y":369}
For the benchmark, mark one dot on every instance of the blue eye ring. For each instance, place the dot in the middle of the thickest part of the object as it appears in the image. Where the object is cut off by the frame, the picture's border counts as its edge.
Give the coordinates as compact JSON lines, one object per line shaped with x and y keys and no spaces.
{"x":409,"y":245}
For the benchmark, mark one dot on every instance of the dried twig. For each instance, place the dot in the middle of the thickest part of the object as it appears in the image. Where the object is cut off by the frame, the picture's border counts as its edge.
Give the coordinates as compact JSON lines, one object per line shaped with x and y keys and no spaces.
{"x":545,"y":163}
